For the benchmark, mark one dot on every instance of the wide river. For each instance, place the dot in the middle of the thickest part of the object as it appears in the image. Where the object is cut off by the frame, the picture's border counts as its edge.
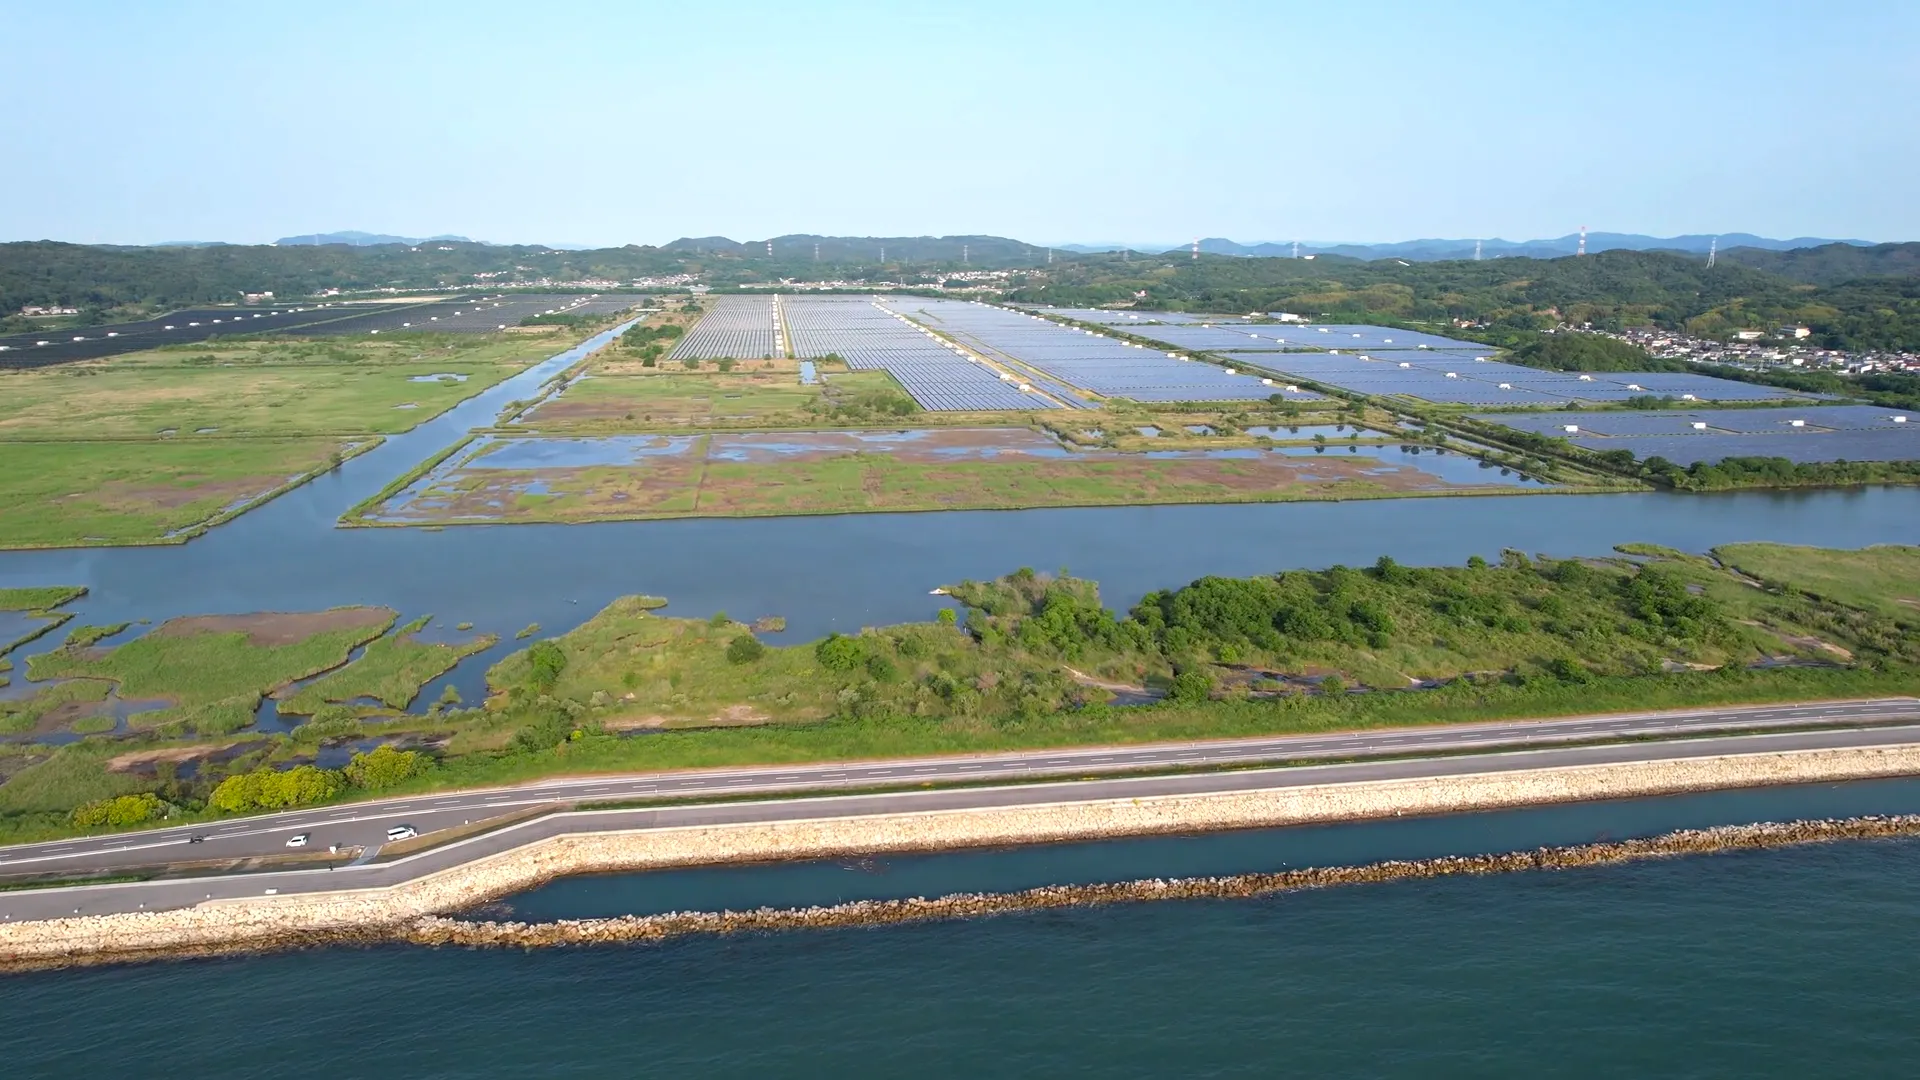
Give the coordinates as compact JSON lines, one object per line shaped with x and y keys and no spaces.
{"x":1785,"y":963}
{"x":1789,"y":963}
{"x":840,"y":573}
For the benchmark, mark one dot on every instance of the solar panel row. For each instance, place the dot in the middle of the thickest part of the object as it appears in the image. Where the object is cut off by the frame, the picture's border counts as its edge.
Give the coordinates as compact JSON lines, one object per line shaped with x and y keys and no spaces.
{"x":738,"y":327}
{"x":870,"y":337}
{"x":1094,"y":361}
{"x":1798,"y":433}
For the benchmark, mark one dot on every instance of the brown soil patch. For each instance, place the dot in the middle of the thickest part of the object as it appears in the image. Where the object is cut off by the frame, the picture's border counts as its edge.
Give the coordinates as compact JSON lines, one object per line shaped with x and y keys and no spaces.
{"x":562,"y":409}
{"x":731,"y":716}
{"x":921,"y":446}
{"x":1815,"y":643}
{"x":66,"y":713}
{"x":1085,"y":679}
{"x":130,"y":762}
{"x":13,"y":764}
{"x":171,"y":497}
{"x":273,"y":628}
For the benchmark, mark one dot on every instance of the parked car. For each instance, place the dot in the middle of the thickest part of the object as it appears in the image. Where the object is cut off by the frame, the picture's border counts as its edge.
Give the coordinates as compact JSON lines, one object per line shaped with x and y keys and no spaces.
{"x":297,"y":840}
{"x":401,"y":832}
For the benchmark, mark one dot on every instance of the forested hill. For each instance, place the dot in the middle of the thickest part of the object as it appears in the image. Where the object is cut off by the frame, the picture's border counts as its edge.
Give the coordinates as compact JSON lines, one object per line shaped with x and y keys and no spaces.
{"x":1849,"y":299}
{"x":105,"y":278}
{"x":1831,"y":264}
{"x":1612,"y":290}
{"x":107,"y":281}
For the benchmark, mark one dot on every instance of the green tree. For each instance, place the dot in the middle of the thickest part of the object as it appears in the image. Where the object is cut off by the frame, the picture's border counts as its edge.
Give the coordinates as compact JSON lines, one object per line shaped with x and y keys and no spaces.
{"x":745,"y":649}
{"x":838,"y":652}
{"x":268,"y":789}
{"x":383,"y":767}
{"x":545,"y":662}
{"x":1191,"y":686}
{"x":119,"y":812}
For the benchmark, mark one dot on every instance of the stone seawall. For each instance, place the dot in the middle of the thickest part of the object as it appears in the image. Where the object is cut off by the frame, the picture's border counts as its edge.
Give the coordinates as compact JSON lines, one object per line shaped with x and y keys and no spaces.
{"x":405,"y":912}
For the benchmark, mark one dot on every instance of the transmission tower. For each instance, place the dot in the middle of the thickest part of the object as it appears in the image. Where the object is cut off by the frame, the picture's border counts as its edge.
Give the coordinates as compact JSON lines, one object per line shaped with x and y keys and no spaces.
{"x":1713,"y":246}
{"x":883,"y":254}
{"x":1583,"y":241}
{"x":1049,"y":256}
{"x":1296,"y":249}
{"x":769,"y":249}
{"x":816,"y":252}
{"x":1196,"y":248}
{"x":1476,"y":251}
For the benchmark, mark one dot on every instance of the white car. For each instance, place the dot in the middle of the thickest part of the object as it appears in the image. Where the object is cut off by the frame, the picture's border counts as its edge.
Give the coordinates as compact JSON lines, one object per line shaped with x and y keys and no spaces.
{"x":401,"y":832}
{"x":297,"y":840}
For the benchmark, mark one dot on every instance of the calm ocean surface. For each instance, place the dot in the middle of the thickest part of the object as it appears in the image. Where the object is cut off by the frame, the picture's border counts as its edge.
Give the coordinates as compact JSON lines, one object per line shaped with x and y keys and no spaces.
{"x":1796,"y":962}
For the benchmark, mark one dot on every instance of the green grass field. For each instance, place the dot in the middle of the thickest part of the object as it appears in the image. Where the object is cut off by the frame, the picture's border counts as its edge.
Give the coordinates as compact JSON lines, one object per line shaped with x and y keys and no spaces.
{"x":391,"y":671}
{"x":211,"y":672}
{"x":694,"y":484}
{"x":77,"y":493}
{"x":1032,"y":663}
{"x":41,"y":598}
{"x":151,"y":446}
{"x":1885,"y":579}
{"x":678,"y":400}
{"x":269,"y":388}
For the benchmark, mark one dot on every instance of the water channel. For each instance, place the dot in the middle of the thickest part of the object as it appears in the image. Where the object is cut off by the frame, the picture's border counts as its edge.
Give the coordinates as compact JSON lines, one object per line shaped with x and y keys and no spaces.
{"x":844,"y":572}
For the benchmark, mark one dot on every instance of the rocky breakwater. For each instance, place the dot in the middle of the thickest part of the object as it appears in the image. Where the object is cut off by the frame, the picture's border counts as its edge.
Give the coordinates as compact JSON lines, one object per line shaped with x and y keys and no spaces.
{"x":435,"y":930}
{"x":397,"y":912}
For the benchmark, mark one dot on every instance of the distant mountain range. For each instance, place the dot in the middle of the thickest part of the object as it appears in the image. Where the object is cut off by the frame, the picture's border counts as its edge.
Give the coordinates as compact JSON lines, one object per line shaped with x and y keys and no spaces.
{"x":1432,"y":250}
{"x":804,"y":247}
{"x":1805,"y":258}
{"x":360,"y":239}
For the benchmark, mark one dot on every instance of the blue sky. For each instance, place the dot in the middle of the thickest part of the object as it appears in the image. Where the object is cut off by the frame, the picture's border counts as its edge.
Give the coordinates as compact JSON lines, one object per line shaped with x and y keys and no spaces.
{"x":136,"y":122}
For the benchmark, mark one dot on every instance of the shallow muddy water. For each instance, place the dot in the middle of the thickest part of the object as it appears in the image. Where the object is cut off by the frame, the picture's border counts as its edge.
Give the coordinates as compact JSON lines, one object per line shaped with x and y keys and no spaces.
{"x":1789,"y":963}
{"x":844,"y":572}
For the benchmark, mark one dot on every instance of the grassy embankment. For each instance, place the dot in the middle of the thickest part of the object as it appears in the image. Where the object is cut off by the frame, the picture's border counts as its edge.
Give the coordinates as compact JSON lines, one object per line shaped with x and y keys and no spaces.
{"x":1118,"y":466}
{"x":36,"y":615}
{"x":157,"y":446}
{"x":391,"y":671}
{"x":1033,"y":662}
{"x":206,"y":676}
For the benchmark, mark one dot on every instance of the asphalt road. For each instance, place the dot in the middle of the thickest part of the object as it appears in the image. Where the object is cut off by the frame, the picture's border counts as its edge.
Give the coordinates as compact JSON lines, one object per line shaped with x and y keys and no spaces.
{"x":364,"y":825}
{"x":160,"y":895}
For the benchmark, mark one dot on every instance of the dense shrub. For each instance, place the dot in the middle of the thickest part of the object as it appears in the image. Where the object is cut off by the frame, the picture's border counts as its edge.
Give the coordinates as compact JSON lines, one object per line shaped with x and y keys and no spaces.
{"x":119,"y":812}
{"x":545,"y":661}
{"x":270,"y":789}
{"x":745,"y":649}
{"x":383,"y":767}
{"x":838,"y":652}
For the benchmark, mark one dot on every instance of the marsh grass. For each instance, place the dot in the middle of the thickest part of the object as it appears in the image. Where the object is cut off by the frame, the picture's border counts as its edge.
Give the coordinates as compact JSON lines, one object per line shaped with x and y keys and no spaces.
{"x":392,"y":670}
{"x":39,"y":599}
{"x":211,"y":678}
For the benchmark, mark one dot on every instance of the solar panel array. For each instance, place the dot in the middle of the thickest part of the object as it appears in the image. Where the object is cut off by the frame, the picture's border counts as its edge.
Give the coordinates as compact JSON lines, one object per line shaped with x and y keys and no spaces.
{"x":1464,"y":377}
{"x":1211,"y":338}
{"x":1826,"y":433}
{"x":739,"y":327}
{"x":1121,"y":318}
{"x":1090,"y":360}
{"x":870,"y":337}
{"x":468,"y":315}
{"x":472,"y":314}
{"x":1384,"y":361}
